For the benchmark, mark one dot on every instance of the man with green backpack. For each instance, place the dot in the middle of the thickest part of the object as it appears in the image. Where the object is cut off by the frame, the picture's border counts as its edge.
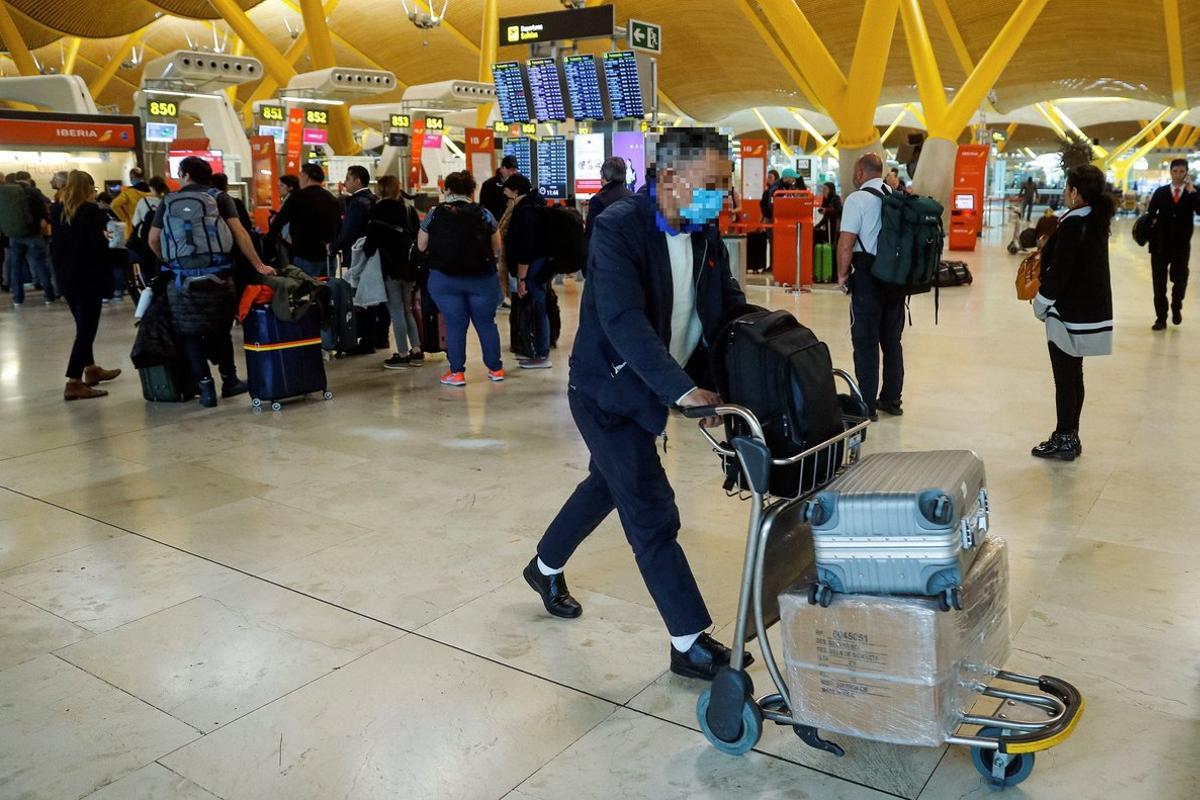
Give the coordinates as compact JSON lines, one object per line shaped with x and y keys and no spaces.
{"x":888,"y":249}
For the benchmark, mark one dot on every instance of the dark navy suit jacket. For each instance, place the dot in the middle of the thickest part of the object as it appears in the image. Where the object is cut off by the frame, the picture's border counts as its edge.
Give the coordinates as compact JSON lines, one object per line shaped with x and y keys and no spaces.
{"x":621,"y":359}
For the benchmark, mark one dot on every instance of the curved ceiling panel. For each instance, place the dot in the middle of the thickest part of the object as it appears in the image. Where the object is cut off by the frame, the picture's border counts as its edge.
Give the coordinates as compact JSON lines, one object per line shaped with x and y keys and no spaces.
{"x":91,"y":18}
{"x":197,"y":9}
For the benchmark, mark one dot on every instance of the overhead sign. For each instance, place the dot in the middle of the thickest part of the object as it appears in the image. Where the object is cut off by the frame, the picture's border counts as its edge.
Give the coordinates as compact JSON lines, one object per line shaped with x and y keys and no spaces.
{"x":67,"y":133}
{"x":500,"y":127}
{"x":272,"y":113}
{"x":163,"y":108}
{"x":315,"y":136}
{"x":435,"y":124}
{"x":316,"y":116}
{"x":644,"y":36}
{"x":578,"y":23}
{"x":400,"y":121}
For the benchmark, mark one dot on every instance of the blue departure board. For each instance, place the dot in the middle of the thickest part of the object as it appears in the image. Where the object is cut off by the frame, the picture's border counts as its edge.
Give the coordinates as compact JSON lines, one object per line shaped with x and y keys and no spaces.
{"x":546,"y":88}
{"x":520,"y":149}
{"x":624,"y":86}
{"x":552,"y":177}
{"x":583,"y":87}
{"x":510,"y":91}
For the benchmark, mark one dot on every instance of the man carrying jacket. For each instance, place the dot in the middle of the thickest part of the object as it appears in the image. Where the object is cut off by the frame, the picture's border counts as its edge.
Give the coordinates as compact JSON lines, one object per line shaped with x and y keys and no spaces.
{"x":1173,"y":208}
{"x":659,"y":289}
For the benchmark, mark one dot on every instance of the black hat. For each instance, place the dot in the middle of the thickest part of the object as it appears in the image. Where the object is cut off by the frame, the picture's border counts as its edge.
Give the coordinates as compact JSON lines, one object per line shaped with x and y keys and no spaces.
{"x":518,"y":183}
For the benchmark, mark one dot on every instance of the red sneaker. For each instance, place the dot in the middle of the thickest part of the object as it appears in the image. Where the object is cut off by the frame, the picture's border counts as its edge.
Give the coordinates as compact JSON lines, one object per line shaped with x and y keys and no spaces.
{"x":454,"y":379}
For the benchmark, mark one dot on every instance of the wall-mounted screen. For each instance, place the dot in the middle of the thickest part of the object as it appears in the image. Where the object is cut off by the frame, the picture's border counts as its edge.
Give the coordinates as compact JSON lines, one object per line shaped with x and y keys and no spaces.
{"x":545,"y":87}
{"x":520,"y":149}
{"x":589,"y":157}
{"x":624,"y":85}
{"x":583,"y":87}
{"x":161,"y":131}
{"x":510,"y":91}
{"x":552,"y":177}
{"x":276,"y":132}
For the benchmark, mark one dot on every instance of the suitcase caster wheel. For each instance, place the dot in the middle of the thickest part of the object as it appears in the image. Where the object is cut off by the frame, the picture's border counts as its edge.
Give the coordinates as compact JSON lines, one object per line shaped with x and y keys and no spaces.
{"x":752,"y":723}
{"x":1001,"y":770}
{"x":277,"y":406}
{"x":823,"y":595}
{"x":956,"y":598}
{"x":328,"y":395}
{"x":255,"y":402}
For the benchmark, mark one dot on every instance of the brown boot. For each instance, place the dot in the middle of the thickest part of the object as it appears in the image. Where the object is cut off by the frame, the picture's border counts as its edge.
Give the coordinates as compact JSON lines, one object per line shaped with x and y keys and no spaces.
{"x":94,"y":374}
{"x":78,"y":390}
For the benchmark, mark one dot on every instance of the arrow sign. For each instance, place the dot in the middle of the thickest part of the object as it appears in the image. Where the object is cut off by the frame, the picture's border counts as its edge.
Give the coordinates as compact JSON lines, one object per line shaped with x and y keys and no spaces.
{"x":645,"y":36}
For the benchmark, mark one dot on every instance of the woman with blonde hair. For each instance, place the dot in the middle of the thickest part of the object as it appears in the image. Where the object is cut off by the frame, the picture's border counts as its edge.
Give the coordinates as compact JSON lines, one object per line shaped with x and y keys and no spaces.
{"x":79,"y":249}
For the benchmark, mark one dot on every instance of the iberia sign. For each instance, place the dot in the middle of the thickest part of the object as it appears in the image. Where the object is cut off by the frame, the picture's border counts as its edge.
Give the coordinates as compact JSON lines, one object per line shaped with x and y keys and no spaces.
{"x":60,"y":133}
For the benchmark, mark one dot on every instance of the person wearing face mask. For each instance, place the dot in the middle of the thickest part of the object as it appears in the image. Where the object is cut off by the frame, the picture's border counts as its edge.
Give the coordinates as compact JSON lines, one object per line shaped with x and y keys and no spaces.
{"x":658,"y":290}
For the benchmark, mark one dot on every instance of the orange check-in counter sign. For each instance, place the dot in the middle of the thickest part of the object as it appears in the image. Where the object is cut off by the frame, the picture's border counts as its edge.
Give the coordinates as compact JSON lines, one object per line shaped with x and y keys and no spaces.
{"x":67,"y":134}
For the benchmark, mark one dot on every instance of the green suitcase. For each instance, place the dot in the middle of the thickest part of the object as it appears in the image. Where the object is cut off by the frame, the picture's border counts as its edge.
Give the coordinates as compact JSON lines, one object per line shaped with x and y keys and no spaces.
{"x":823,"y":264}
{"x":166,"y":383}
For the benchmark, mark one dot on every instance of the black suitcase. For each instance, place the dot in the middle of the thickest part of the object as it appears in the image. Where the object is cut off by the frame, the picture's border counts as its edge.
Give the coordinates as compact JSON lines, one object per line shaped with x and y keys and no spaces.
{"x":953,"y":273}
{"x":756,"y":250}
{"x":350,"y":328}
{"x":429,"y":322}
{"x":283,"y":357}
{"x":771,"y":364}
{"x":167,"y":383}
{"x":520,"y":326}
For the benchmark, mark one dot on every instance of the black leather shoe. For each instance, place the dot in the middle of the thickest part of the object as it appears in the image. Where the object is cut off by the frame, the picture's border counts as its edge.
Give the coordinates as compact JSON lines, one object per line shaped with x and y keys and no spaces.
{"x":1177,"y":316}
{"x":704,"y":658}
{"x":232,"y":387}
{"x":1060,"y":446}
{"x":893,"y":409}
{"x":1159,"y":325}
{"x":556,"y":597}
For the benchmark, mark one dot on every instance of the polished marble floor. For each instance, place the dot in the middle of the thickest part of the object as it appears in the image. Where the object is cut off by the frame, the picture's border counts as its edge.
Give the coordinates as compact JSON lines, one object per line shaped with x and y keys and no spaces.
{"x":327,"y":603}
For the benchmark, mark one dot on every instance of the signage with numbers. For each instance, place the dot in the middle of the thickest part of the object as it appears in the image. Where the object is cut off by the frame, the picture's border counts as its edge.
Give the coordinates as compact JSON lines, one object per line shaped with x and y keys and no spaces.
{"x":624,"y":85}
{"x":510,"y":91}
{"x":552,"y":178}
{"x":529,"y":128}
{"x":272,"y":113}
{"x":435,"y":124}
{"x":546,"y":88}
{"x":316,"y":116}
{"x":400,"y":121}
{"x":520,"y":149}
{"x":644,"y":36}
{"x":583,"y":87}
{"x":163,"y":108}
{"x":500,"y":127}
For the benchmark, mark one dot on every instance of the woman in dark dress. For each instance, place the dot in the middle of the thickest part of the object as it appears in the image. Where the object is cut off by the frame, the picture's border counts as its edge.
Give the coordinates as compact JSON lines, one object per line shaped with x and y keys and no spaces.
{"x":80,"y":252}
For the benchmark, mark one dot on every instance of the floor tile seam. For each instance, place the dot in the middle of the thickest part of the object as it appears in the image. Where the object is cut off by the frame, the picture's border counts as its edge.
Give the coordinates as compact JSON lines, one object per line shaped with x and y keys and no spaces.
{"x":45,"y":610}
{"x":158,"y":761}
{"x":773,"y":756}
{"x":557,"y":755}
{"x":129,"y":694}
{"x":90,"y":441}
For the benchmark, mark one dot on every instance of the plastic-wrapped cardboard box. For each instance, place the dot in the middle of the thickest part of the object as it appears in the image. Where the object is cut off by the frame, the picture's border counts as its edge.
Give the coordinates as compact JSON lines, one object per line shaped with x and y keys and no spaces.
{"x":893,"y":668}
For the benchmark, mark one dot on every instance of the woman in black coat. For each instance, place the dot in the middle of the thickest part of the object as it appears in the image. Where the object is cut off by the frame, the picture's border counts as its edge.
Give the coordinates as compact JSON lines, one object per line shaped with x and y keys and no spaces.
{"x":1075,"y":301}
{"x":79,"y":248}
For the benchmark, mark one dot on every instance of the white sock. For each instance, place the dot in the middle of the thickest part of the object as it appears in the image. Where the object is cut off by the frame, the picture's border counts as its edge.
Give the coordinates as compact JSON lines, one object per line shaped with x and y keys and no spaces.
{"x":542,"y":568}
{"x":684,"y":643}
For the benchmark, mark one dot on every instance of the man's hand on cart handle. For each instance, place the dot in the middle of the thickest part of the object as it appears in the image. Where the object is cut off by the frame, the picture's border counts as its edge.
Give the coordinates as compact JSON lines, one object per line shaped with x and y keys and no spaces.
{"x":701,"y":404}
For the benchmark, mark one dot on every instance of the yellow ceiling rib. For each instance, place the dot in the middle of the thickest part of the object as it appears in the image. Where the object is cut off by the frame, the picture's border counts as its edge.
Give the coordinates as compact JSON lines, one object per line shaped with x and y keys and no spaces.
{"x":774,"y":134}
{"x":1194,"y":138}
{"x":1065,"y":120}
{"x":489,"y":40}
{"x":782,"y":56}
{"x":924,"y":63}
{"x":72,"y":55}
{"x":1185,"y":133}
{"x":1053,"y":122}
{"x":341,"y":132}
{"x":114,"y":62}
{"x":15,"y":43}
{"x":895,"y":124}
{"x":1008,"y":134}
{"x":1175,"y":52}
{"x":1148,"y":126}
{"x":828,"y":147}
{"x":259,"y":44}
{"x":956,"y":41}
{"x":268,"y":86}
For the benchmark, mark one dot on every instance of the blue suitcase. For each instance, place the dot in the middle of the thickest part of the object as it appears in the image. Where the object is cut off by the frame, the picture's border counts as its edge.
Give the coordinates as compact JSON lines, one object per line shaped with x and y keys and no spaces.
{"x":283,"y":357}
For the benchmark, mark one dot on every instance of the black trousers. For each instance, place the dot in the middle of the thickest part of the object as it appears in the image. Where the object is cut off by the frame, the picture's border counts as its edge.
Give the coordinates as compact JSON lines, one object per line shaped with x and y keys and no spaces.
{"x":199,"y":349}
{"x":626,"y":474}
{"x":86,"y":310}
{"x":1171,"y":263}
{"x":1068,"y":389}
{"x":877,"y":323}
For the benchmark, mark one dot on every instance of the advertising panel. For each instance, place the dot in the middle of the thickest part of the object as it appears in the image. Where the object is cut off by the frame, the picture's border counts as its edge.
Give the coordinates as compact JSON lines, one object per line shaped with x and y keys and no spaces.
{"x":589,"y":157}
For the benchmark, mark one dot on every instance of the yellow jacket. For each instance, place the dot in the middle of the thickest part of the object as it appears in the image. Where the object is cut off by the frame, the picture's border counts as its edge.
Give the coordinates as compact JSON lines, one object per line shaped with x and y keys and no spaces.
{"x":125,"y":203}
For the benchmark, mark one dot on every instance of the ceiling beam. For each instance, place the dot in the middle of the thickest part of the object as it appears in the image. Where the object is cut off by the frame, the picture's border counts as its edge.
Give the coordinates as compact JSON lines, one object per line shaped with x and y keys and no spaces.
{"x":782,"y":56}
{"x":109,"y":70}
{"x":14,"y":42}
{"x":1175,"y":52}
{"x":73,"y":46}
{"x":774,"y":134}
{"x":956,"y":40}
{"x":341,"y":132}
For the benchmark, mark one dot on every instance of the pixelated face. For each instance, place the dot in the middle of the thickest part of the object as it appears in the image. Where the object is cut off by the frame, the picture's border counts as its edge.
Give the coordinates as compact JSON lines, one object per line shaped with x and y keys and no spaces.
{"x":1179,"y":174}
{"x":693,"y":189}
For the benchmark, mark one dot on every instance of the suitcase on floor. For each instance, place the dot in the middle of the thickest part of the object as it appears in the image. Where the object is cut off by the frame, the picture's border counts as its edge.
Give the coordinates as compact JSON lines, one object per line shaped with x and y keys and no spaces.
{"x":953,"y":273}
{"x":429,"y":322}
{"x":756,"y":250}
{"x":520,"y":327}
{"x":283,"y":357}
{"x":823,"y":264}
{"x":167,"y":383}
{"x":900,"y":523}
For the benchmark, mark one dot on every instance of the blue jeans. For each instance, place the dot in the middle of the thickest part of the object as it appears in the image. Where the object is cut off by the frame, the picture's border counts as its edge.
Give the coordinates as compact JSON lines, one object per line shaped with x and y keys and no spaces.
{"x":31,"y":251}
{"x":312,"y":267}
{"x":625,"y":473}
{"x":535,"y":284}
{"x":463,"y":300}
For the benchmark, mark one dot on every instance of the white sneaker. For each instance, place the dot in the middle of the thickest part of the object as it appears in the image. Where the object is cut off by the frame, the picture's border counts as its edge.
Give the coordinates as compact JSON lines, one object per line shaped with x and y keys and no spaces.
{"x":535,"y":363}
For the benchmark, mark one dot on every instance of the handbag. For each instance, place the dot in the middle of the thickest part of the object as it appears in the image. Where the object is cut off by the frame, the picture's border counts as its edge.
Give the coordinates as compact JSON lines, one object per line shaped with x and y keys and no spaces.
{"x":1029,"y":276}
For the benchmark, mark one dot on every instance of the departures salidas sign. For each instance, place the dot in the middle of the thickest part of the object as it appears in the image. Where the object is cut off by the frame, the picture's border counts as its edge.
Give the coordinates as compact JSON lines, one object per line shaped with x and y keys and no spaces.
{"x":579,"y":23}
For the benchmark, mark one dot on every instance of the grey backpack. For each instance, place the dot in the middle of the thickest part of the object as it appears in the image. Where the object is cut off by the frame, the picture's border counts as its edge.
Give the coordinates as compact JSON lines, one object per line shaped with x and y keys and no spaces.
{"x":195,"y":239}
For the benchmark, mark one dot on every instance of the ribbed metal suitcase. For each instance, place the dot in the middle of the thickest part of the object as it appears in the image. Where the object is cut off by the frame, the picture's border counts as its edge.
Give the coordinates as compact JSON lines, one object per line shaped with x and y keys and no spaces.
{"x":900,"y":523}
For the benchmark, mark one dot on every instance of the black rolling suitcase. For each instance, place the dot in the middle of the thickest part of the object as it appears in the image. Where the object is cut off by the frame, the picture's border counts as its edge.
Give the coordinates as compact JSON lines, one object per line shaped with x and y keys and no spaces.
{"x":429,"y":321}
{"x":756,"y":250}
{"x":167,"y":383}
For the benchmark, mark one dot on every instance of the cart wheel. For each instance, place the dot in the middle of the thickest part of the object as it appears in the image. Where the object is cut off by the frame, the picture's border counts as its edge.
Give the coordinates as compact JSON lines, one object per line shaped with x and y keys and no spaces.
{"x":1016,"y":770}
{"x":752,"y":724}
{"x":328,"y":395}
{"x":277,"y":406}
{"x":825,"y":596}
{"x":256,"y":402}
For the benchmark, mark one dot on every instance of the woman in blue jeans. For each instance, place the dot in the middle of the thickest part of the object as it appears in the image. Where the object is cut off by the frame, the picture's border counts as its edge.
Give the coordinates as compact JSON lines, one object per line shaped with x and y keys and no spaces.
{"x":462,"y":241}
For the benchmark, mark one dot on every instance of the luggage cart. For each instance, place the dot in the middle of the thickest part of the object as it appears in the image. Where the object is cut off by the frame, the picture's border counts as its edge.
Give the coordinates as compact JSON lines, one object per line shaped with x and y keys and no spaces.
{"x":729,"y":714}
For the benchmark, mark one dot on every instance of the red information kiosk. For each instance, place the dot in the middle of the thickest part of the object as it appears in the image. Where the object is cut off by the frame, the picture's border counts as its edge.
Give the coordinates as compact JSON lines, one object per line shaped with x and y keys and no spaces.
{"x":966,"y":198}
{"x":792,"y":238}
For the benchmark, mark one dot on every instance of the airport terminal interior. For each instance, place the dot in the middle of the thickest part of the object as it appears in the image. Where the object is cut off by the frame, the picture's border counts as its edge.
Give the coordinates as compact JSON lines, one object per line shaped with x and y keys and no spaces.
{"x":326,"y":591}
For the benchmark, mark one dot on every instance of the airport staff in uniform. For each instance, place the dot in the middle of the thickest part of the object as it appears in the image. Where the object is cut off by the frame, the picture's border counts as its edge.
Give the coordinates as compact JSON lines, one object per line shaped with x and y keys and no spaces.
{"x":658,"y":288}
{"x":1173,"y":207}
{"x":876,"y":310}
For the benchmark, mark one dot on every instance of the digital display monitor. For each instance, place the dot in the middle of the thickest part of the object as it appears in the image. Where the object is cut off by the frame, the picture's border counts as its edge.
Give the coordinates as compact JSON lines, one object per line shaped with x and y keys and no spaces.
{"x":161,"y":131}
{"x":510,"y":91}
{"x":589,"y":157}
{"x":583,"y":87}
{"x":624,"y":85}
{"x":276,"y":132}
{"x":552,"y":177}
{"x":631,"y":146}
{"x":520,"y":149}
{"x":545,"y":86}
{"x":215,"y":159}
{"x":964,"y":202}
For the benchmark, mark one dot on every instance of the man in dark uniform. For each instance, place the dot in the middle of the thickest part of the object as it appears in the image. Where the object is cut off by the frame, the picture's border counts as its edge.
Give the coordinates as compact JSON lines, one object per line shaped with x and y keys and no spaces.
{"x":658,"y":289}
{"x":1173,"y":208}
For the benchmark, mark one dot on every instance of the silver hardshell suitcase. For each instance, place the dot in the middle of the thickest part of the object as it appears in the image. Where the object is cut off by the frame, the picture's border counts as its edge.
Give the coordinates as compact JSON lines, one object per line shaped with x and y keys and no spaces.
{"x":900,"y":523}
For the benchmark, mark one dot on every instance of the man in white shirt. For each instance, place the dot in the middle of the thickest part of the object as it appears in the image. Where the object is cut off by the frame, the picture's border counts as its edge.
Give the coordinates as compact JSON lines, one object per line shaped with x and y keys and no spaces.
{"x":876,"y":309}
{"x":658,"y":291}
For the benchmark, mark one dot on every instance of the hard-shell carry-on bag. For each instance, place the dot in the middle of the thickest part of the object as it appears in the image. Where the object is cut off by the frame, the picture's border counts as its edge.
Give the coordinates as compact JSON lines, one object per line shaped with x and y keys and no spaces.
{"x":823,"y":264}
{"x":771,"y":364}
{"x":167,"y":383}
{"x":900,"y":523}
{"x":429,"y":321}
{"x":283,"y":357}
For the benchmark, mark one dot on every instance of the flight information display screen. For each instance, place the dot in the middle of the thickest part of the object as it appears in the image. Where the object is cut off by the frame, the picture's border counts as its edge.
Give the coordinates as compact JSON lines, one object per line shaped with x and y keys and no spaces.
{"x":583,"y":87}
{"x":546,"y":88}
{"x":520,"y":150}
{"x":510,"y":91}
{"x":624,"y":86}
{"x":552,"y":178}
